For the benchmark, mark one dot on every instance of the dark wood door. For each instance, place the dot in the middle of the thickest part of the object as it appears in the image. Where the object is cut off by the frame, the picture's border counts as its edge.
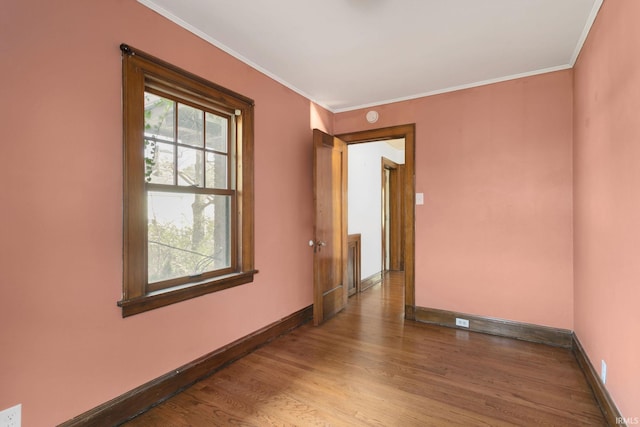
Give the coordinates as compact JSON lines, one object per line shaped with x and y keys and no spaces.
{"x":393,"y":215}
{"x":330,"y":227}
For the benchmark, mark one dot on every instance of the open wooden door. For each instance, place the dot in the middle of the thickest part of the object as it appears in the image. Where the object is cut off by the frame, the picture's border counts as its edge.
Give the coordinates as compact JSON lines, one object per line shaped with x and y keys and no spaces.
{"x":330,"y":228}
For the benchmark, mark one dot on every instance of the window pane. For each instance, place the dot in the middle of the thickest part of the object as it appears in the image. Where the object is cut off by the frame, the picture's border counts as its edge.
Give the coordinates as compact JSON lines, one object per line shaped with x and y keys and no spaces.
{"x":190,"y":126}
{"x":189,"y":234}
{"x":190,"y":167}
{"x":217,"y":171}
{"x":158,"y":116}
{"x":158,"y":162}
{"x":217,"y":127}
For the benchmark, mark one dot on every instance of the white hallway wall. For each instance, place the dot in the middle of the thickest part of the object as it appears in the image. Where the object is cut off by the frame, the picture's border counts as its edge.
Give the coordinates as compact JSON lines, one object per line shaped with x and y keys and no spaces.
{"x":365,"y":197}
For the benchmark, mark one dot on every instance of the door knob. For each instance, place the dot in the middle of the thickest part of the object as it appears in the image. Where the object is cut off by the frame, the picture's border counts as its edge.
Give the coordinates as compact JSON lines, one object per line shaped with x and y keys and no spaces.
{"x":317,"y":246}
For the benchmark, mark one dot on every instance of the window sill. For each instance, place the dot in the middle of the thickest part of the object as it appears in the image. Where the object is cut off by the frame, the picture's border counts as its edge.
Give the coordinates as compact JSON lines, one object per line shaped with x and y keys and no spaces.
{"x":176,"y":294}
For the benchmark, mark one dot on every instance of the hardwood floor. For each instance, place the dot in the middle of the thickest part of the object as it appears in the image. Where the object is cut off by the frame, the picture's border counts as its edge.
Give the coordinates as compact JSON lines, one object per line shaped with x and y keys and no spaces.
{"x":369,"y":367}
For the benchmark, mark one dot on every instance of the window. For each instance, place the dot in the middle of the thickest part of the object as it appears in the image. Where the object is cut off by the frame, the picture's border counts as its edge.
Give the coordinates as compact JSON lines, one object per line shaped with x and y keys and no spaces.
{"x":188,"y":185}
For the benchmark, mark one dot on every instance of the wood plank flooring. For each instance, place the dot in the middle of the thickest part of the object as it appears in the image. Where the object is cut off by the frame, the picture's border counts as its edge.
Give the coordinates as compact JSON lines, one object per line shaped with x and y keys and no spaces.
{"x":369,"y":367}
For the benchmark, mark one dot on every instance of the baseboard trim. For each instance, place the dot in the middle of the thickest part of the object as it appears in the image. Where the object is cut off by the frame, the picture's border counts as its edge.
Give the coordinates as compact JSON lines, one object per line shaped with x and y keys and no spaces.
{"x":138,"y":400}
{"x":370,"y":281}
{"x":607,"y":406}
{"x":409,"y":312}
{"x":506,"y":328}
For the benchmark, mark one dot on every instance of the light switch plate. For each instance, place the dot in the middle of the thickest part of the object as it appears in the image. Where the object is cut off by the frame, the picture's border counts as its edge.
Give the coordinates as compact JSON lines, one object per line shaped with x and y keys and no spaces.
{"x":419,"y":198}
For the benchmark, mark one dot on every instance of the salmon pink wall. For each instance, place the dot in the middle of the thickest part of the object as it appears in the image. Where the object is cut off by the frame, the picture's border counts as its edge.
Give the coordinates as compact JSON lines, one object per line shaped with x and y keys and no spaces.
{"x":494,"y":237}
{"x":607,"y":199}
{"x":65,"y":346}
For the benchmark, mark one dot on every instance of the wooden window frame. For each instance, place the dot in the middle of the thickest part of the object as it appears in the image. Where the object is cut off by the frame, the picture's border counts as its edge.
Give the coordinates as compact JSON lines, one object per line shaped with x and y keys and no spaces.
{"x":142,"y":71}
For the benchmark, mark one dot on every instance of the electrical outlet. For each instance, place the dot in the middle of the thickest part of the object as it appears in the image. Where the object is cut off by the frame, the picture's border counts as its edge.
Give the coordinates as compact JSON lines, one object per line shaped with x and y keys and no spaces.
{"x":603,"y":372}
{"x":462,"y":322}
{"x":11,"y":417}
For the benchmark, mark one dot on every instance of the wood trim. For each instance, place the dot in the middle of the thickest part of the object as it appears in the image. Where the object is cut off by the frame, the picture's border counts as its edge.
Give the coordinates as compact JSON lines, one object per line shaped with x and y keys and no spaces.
{"x":354,"y":243}
{"x":408,"y":132}
{"x":506,"y":328}
{"x":136,"y":401}
{"x":227,"y":96}
{"x":139,"y":72}
{"x":607,"y":406}
{"x":370,"y":281}
{"x":171,"y":295}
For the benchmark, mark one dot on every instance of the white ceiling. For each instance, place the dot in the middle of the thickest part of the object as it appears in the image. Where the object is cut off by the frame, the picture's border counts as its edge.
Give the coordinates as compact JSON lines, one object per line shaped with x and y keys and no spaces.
{"x":347,"y":54}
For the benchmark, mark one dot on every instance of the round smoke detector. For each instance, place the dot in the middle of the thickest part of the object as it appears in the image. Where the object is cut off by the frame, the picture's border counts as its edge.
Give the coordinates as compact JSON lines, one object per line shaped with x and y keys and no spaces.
{"x":372,"y":116}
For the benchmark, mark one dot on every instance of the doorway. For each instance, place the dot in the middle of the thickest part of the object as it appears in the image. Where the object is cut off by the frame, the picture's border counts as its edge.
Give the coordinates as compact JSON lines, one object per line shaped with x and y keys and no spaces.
{"x":407,"y":244}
